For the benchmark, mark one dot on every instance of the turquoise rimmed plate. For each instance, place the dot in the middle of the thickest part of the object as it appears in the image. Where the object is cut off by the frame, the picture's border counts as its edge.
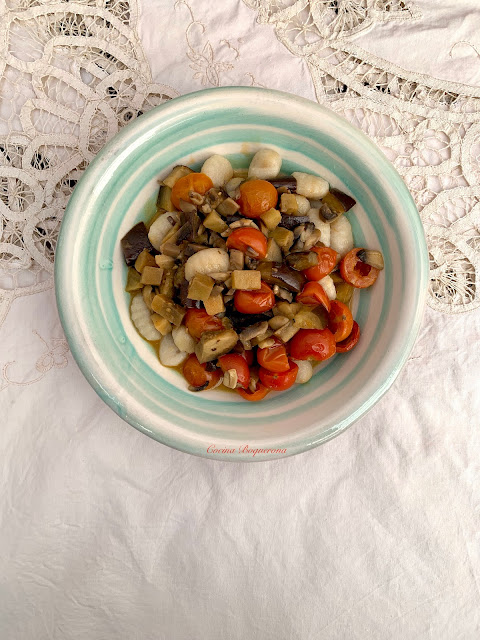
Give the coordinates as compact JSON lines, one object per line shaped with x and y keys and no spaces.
{"x":119,"y":189}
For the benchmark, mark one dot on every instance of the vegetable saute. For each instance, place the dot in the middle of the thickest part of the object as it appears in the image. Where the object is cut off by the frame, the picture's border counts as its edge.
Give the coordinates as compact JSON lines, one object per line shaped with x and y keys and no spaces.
{"x":245,"y":278}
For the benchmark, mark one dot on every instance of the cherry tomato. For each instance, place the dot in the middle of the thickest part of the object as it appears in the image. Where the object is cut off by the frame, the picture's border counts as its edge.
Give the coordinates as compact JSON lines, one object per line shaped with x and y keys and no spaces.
{"x":196,"y":374}
{"x":340,"y":320}
{"x":237,"y":362}
{"x":254,"y":396}
{"x":274,"y":358}
{"x":317,"y":344}
{"x":279,"y":381}
{"x":198,"y":321}
{"x":254,"y":301}
{"x":356,"y":272}
{"x":313,"y":294}
{"x":256,"y":197}
{"x":245,"y":353}
{"x":198,"y":182}
{"x":327,"y":259}
{"x":250,"y":241}
{"x":351,"y":341}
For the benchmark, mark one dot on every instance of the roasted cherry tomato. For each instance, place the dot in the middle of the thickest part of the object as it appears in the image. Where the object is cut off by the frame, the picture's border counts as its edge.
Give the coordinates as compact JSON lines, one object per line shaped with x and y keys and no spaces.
{"x":317,"y":344}
{"x":198,"y":182}
{"x":254,"y":396}
{"x":198,"y":376}
{"x":250,"y":241}
{"x":254,"y":301}
{"x":327,"y":259}
{"x":356,"y":272}
{"x":279,"y":381}
{"x":198,"y":321}
{"x":245,"y":353}
{"x":256,"y":197}
{"x":313,"y":294}
{"x":274,"y":358}
{"x":237,"y":362}
{"x":340,"y":320}
{"x":351,"y":341}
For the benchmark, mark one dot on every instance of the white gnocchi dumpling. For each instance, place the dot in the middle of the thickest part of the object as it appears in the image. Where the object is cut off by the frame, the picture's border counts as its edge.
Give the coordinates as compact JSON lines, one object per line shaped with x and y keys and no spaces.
{"x":207,"y":261}
{"x":305,"y":371}
{"x":161,"y":227}
{"x":321,"y":225}
{"x":310,"y":186}
{"x":218,"y":169}
{"x":265,"y":165}
{"x":183,"y":340}
{"x":168,"y":352}
{"x":341,"y":236}
{"x":141,"y":318}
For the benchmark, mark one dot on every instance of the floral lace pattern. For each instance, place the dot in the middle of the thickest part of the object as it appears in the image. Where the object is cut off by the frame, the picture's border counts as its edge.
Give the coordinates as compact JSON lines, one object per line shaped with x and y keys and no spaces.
{"x":72,"y":74}
{"x":429,"y":129}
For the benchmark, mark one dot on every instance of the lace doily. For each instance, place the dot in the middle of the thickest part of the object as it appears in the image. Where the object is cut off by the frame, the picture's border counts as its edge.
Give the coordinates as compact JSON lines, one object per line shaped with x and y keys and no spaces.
{"x":72,"y":74}
{"x":428,"y":128}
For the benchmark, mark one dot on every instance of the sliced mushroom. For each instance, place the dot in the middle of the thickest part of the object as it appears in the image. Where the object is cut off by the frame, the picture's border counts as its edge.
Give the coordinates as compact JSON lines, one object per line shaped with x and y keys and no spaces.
{"x":372,"y":258}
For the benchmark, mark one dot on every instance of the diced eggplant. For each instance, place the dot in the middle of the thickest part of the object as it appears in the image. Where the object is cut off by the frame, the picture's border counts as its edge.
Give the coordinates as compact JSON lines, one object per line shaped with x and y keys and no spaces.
{"x":246,"y":280}
{"x":175,"y":174}
{"x":278,"y":273}
{"x":302,"y":260}
{"x":145,"y":259}
{"x":134,"y":242}
{"x":283,"y":237}
{"x":228,"y":207}
{"x":215,"y":303}
{"x":291,"y":222}
{"x":185,"y":301}
{"x":288,"y":204}
{"x":347,"y":201}
{"x":213,"y":344}
{"x":164,"y":199}
{"x":133,"y":280}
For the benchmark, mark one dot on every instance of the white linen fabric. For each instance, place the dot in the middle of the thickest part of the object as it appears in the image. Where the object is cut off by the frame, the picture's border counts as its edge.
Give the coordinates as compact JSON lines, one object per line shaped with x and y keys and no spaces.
{"x":105,"y":533}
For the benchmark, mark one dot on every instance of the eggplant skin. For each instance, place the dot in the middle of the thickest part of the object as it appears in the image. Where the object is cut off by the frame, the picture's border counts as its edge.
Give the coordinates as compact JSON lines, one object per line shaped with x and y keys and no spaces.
{"x":242,"y":320}
{"x":281,"y":274}
{"x":134,"y":242}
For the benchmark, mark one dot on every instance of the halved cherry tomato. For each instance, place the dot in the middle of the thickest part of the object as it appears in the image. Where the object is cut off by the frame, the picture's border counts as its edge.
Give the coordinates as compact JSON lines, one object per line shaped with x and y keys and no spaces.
{"x":256,"y":197}
{"x":274,"y":358}
{"x":250,"y":241}
{"x":327,"y":259}
{"x":279,"y":381}
{"x":340,"y":320}
{"x":351,"y":341}
{"x":237,"y":362}
{"x":356,"y":272}
{"x":198,"y":321}
{"x":254,"y":301}
{"x":254,"y":396}
{"x":317,"y":344}
{"x":197,"y":375}
{"x":313,"y":294}
{"x":198,"y":182}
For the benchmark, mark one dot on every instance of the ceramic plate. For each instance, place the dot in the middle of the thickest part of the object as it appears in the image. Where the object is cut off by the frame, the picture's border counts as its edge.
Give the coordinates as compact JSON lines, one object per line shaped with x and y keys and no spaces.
{"x":119,"y":189}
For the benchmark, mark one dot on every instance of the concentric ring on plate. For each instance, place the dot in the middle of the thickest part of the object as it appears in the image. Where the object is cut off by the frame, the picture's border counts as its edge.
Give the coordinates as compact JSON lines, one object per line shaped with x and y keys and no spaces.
{"x":119,"y":189}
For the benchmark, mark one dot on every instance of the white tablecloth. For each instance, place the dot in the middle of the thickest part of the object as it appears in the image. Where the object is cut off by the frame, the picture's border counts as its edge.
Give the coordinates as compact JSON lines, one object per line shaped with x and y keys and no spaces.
{"x":105,"y":533}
